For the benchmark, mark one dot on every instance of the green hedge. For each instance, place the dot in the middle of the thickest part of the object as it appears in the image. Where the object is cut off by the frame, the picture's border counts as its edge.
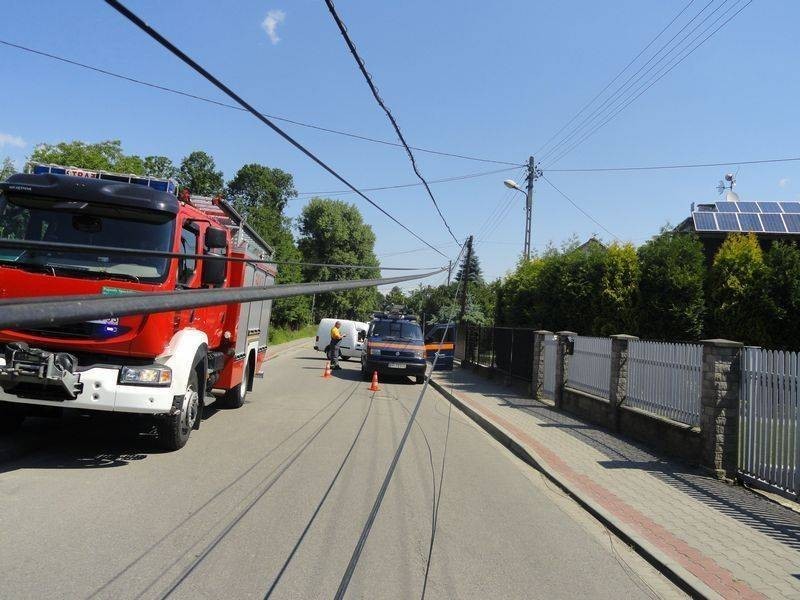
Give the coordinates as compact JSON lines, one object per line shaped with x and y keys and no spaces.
{"x":662,"y":290}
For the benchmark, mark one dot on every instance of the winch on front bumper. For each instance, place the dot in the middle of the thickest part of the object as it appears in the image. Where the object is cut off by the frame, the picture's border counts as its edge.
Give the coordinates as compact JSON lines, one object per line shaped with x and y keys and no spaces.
{"x":52,"y":371}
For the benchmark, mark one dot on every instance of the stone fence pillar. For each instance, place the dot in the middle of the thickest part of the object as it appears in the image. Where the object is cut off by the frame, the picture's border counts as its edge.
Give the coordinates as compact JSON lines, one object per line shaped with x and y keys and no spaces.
{"x":719,"y":406}
{"x":537,"y":380}
{"x":562,"y":364}
{"x":618,"y":383}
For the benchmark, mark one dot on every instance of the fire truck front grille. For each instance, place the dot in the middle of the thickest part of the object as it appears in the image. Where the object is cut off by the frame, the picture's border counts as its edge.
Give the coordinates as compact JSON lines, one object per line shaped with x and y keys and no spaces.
{"x":77,"y":331}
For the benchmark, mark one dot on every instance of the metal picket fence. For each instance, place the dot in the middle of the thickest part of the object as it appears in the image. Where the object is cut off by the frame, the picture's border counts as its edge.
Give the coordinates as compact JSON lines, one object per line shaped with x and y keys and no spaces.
{"x":665,"y":379}
{"x":507,"y":350}
{"x":550,"y":354}
{"x":769,"y":419}
{"x":590,"y":365}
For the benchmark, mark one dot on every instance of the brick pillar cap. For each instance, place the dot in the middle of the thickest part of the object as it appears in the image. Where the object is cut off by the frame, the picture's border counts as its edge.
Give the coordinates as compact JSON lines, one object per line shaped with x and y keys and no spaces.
{"x":566,"y":333}
{"x":623,"y":336}
{"x":722,"y":343}
{"x":544,"y":331}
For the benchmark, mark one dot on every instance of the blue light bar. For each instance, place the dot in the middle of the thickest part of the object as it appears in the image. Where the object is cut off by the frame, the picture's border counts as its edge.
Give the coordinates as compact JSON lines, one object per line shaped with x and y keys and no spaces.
{"x":156,"y":183}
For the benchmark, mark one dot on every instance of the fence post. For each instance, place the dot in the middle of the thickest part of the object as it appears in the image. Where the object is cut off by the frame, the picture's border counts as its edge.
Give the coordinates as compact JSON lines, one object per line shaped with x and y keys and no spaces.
{"x":562,"y":365}
{"x":719,"y":404}
{"x":537,"y":379}
{"x":618,"y":382}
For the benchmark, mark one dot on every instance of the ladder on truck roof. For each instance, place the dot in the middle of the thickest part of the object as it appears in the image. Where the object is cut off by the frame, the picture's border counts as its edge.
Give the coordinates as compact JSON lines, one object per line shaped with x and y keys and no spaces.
{"x":157,"y":183}
{"x":226,"y":214}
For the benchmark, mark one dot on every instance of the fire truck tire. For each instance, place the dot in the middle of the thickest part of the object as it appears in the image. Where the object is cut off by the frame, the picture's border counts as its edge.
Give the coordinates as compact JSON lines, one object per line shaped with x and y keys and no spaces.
{"x":174,"y":431}
{"x":10,"y":419}
{"x":236,"y":396}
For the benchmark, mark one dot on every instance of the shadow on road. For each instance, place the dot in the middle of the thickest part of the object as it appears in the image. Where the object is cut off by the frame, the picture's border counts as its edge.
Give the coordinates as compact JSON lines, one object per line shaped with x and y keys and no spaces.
{"x":81,"y":443}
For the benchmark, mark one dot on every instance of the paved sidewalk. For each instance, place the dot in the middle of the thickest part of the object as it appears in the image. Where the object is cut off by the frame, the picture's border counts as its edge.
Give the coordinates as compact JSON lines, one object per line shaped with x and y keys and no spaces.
{"x":722,"y":540}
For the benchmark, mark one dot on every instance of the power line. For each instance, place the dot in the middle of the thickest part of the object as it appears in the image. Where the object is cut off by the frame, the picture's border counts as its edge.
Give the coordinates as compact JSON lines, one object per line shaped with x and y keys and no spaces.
{"x":368,"y":78}
{"x":678,"y":166}
{"x":656,"y":79}
{"x":133,"y":18}
{"x":610,"y":83}
{"x":408,"y":185}
{"x":170,"y":90}
{"x":626,"y":85}
{"x":575,"y":204}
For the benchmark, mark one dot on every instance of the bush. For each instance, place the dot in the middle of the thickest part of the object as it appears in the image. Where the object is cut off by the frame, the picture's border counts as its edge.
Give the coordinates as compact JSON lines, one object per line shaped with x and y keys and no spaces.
{"x":672,"y":299}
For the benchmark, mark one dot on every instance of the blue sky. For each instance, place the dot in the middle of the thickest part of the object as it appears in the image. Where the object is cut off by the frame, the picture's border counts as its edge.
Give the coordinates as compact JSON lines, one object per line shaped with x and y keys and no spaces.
{"x":491,"y":80}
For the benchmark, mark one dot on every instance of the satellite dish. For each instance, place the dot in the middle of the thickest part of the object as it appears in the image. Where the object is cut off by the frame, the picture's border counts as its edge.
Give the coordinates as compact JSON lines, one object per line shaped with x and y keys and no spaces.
{"x":731,"y":196}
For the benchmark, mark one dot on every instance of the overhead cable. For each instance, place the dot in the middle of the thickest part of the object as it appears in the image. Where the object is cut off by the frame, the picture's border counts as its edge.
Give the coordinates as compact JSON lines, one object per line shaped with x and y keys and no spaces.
{"x":170,"y":90}
{"x":22,"y":313}
{"x":625,"y":85}
{"x":114,"y":251}
{"x":610,"y":83}
{"x":647,"y":85}
{"x":575,"y":204}
{"x":678,"y":166}
{"x":371,"y":84}
{"x":408,"y":185}
{"x":133,"y":18}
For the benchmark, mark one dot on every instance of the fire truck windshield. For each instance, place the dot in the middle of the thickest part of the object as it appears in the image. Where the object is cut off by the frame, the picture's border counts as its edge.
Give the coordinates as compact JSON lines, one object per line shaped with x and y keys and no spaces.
{"x":69,"y":222}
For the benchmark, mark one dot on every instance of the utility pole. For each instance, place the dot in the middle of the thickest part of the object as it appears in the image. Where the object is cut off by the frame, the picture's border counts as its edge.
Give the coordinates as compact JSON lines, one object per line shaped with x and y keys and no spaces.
{"x":449,"y":271}
{"x":534,"y":173}
{"x":465,"y":279}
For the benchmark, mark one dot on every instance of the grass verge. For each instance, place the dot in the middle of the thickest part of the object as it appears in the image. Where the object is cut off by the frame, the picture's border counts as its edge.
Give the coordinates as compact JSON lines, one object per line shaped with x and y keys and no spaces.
{"x":280,"y":335}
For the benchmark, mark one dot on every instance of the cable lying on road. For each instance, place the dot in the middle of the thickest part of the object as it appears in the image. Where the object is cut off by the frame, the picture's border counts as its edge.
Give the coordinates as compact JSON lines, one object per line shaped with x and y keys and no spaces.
{"x":113,"y":251}
{"x":28,"y":312}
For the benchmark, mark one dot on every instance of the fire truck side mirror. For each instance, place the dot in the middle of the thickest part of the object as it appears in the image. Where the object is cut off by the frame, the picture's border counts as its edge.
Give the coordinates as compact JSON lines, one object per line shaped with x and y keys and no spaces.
{"x":214,"y":272}
{"x":215,"y":238}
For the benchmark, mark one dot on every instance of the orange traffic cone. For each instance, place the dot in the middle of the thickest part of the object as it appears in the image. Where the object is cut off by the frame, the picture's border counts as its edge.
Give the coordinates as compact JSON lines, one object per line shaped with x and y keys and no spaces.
{"x":327,"y":372}
{"x":374,"y":387}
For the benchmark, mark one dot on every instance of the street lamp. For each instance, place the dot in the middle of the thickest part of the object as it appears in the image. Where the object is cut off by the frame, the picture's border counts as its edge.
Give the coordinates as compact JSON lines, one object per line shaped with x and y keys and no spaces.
{"x":510,"y":183}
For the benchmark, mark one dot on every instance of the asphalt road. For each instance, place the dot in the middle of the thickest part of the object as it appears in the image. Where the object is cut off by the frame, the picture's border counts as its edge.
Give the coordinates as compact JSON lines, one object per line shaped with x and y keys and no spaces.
{"x":270,"y":500}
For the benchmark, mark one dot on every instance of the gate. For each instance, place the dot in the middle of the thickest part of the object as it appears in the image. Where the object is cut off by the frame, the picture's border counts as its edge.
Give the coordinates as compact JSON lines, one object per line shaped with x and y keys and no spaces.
{"x":550,"y":349}
{"x":769,"y":420}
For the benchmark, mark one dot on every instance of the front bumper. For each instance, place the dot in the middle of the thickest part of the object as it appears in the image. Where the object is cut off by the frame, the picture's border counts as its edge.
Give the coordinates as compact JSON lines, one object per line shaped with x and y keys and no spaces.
{"x":100,"y":391}
{"x":382,"y":367}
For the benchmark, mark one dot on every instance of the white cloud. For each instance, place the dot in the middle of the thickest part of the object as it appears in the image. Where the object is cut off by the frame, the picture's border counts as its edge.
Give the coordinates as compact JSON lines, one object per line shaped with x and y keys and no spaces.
{"x":270,"y":24}
{"x":784,"y":183}
{"x":6,"y":139}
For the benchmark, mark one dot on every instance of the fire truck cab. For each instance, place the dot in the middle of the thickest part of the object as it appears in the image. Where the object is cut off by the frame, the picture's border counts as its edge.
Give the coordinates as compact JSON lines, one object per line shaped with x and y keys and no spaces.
{"x":167,"y":365}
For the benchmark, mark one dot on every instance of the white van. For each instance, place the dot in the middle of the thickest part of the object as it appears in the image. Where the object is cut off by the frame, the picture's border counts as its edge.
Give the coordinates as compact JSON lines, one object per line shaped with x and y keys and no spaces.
{"x":352,"y":345}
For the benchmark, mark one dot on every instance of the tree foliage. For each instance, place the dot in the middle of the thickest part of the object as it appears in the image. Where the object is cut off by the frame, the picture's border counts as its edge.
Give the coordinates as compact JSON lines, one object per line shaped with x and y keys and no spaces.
{"x":259,"y":185}
{"x":7,"y":169}
{"x":105,"y":156}
{"x":198,"y":173}
{"x":783,"y":262}
{"x":333,"y":231}
{"x":160,"y":166}
{"x":470,"y":269}
{"x":741,"y":308}
{"x":672,"y":298}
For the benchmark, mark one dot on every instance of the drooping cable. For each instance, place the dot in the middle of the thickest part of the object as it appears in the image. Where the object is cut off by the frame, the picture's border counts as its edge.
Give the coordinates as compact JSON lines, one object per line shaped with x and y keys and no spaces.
{"x":170,"y":90}
{"x":368,"y":78}
{"x":576,"y":205}
{"x":136,"y":20}
{"x":677,"y":166}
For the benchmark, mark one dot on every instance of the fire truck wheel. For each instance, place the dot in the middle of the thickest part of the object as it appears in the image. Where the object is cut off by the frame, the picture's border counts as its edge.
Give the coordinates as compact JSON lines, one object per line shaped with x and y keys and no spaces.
{"x":174,"y":431}
{"x":236,"y":396}
{"x":10,"y":419}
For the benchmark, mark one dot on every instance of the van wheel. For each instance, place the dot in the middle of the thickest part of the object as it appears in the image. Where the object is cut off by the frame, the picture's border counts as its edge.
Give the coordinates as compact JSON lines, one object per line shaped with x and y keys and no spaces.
{"x":236,"y":396}
{"x":342,"y":357}
{"x":420,"y":378}
{"x":365,"y":376}
{"x":174,"y":431}
{"x":11,"y":418}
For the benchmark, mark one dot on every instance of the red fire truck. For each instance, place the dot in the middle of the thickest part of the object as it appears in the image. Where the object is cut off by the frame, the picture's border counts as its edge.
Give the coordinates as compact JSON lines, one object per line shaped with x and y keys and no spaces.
{"x":167,"y":366}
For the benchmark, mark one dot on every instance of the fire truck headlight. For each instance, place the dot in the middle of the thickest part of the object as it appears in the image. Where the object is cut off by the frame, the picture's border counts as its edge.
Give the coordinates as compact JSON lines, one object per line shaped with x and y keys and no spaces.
{"x":150,"y":375}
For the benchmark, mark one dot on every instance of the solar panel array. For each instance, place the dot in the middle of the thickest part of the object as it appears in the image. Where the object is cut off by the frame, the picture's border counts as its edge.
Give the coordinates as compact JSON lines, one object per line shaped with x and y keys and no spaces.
{"x":766,"y":217}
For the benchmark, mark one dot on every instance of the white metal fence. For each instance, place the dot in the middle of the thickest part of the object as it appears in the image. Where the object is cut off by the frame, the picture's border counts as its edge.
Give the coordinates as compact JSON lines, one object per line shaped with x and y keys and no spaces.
{"x":665,"y":379}
{"x":590,"y":365}
{"x":769,"y":419}
{"x":550,"y":348}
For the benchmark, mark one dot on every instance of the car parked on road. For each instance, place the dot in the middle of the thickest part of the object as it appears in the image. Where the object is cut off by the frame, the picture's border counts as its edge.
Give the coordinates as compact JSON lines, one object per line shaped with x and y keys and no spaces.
{"x":351,"y":346}
{"x":394,"y":346}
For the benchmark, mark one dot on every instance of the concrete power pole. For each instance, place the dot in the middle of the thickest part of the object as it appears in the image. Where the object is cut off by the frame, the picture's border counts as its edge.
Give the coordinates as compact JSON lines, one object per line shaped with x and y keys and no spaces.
{"x":533,"y":174}
{"x":465,"y":279}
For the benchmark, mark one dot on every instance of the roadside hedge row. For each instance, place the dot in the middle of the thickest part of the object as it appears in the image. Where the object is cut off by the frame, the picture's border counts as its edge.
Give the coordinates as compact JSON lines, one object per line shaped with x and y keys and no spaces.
{"x":663,"y":290}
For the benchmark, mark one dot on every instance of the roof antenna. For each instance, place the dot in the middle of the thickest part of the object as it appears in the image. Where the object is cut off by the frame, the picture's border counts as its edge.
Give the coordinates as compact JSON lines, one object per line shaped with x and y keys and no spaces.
{"x":728,"y":184}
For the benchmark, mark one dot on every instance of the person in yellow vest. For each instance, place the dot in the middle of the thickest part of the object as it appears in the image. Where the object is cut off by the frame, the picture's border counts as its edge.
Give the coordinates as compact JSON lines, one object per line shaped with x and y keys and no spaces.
{"x":333,"y":348}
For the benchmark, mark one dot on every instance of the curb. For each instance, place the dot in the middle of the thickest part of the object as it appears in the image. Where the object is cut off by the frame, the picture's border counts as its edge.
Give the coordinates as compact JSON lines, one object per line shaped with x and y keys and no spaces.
{"x":673,"y":571}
